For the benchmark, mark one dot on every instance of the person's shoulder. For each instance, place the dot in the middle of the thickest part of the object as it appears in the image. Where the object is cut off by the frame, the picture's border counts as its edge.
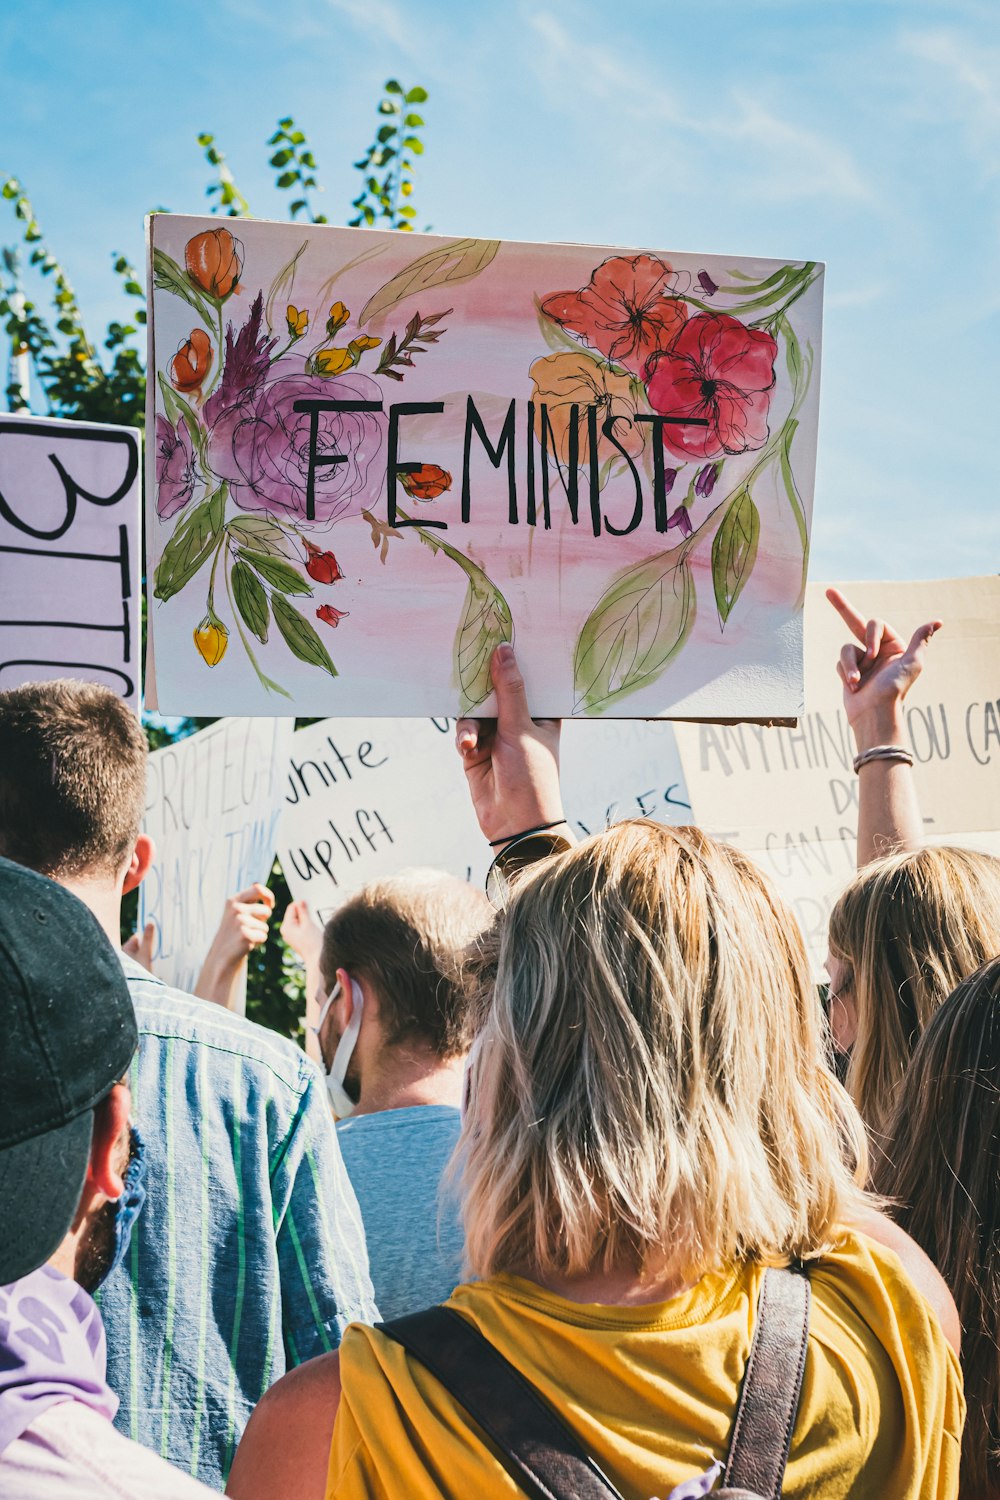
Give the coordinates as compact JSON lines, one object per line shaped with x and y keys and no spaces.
{"x":874,"y":1248}
{"x":164,"y":1014}
{"x":285,"y":1448}
{"x":422,"y":1120}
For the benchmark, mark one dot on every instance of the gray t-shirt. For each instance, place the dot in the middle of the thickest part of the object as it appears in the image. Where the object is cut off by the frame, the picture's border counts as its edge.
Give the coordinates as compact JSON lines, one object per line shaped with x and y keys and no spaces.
{"x":395,"y":1160}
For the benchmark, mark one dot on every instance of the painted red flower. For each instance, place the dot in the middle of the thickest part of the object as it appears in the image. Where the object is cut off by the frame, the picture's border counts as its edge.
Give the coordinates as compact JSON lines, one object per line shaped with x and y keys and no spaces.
{"x":192,"y":362}
{"x":717,"y":371}
{"x":322,"y":566}
{"x":625,"y":310}
{"x":331,"y":616}
{"x":427,"y":482}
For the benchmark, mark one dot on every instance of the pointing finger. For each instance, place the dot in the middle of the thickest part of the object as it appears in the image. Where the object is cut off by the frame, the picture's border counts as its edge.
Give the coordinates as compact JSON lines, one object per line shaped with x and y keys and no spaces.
{"x":854,"y":622}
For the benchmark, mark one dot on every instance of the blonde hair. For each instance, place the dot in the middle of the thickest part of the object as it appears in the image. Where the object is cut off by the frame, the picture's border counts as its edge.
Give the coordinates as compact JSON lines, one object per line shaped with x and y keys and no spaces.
{"x":942,"y":1163}
{"x":650,"y":1076}
{"x":908,"y":929}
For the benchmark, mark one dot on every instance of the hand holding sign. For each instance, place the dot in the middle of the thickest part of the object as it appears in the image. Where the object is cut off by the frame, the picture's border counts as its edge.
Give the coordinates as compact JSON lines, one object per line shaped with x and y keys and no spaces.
{"x":243,"y":927}
{"x":511,"y":762}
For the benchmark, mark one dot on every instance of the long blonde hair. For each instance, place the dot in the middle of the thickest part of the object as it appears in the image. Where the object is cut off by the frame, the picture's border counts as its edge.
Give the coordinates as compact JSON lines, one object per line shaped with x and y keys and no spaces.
{"x":908,"y":929}
{"x":941,"y":1162}
{"x":650,"y":1076}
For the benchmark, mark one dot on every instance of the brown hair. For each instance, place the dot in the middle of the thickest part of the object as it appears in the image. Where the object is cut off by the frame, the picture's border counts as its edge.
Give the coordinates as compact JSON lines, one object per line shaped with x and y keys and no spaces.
{"x":942,"y":1165}
{"x":651,"y":1077}
{"x":72,"y":778}
{"x":406,"y":936}
{"x":909,"y":928}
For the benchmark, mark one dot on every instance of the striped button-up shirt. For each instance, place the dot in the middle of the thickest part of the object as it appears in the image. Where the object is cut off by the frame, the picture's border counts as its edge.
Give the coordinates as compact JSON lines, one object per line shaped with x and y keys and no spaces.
{"x":249,"y":1255}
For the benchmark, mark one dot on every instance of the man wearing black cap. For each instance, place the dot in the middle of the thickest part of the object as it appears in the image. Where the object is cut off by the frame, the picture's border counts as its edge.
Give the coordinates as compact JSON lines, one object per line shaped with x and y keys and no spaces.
{"x":70,"y":1187}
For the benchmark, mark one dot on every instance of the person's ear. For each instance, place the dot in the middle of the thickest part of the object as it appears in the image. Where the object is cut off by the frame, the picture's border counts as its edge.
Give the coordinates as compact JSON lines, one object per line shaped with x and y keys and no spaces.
{"x":346,"y":997}
{"x":107,"y":1159}
{"x":139,"y":865}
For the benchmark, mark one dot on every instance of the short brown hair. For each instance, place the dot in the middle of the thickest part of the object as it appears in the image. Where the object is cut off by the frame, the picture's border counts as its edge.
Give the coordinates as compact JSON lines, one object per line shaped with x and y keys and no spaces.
{"x":72,"y":778}
{"x":406,"y":936}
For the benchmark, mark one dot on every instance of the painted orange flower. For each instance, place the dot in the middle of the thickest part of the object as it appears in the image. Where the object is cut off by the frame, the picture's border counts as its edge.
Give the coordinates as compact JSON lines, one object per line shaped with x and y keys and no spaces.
{"x":427,"y":482}
{"x":330,"y":615}
{"x":626,"y":310}
{"x":192,"y":362}
{"x":214,"y":262}
{"x":565,"y":381}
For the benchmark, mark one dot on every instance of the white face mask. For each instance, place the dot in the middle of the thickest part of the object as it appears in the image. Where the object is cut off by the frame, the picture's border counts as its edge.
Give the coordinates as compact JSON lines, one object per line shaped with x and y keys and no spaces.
{"x":343,"y":1104}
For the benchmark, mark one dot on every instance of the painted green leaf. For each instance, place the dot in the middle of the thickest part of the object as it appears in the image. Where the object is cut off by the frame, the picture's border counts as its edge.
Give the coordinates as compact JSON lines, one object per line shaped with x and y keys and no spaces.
{"x":281,"y":286}
{"x":794,"y":500}
{"x":280,"y":575}
{"x":485,"y":623}
{"x":178,"y":410}
{"x":734,"y":552}
{"x":636,"y":629}
{"x":299,"y":636}
{"x":258,"y":534}
{"x":459,"y":261}
{"x":168,"y":277}
{"x":191,"y":545}
{"x":251,"y":599}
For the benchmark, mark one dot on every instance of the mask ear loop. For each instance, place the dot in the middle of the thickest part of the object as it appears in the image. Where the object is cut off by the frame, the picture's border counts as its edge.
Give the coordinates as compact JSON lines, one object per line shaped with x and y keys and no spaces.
{"x":331,"y":997}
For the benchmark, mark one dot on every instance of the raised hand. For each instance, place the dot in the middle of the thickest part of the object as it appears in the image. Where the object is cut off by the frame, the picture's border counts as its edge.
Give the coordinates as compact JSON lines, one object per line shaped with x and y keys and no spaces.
{"x":878,"y":670}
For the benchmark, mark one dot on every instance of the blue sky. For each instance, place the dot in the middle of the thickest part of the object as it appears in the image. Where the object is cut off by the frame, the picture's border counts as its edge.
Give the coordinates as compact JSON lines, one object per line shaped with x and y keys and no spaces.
{"x":864,"y":134}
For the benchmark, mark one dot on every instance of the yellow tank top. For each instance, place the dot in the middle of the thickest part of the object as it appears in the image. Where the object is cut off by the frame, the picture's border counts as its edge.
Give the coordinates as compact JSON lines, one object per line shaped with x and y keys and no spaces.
{"x":650,"y":1391}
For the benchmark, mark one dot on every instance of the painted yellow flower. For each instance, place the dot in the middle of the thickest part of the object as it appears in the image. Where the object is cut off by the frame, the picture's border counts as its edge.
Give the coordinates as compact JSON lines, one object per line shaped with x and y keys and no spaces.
{"x":297,"y":321}
{"x":339,"y":315}
{"x":211,"y":638}
{"x":567,"y":384}
{"x":359,"y":345}
{"x":333,"y":361}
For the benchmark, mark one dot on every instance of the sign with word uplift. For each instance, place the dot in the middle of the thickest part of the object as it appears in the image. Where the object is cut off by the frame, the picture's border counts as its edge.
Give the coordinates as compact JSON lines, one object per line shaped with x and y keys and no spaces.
{"x":365,"y":798}
{"x":212,"y":807}
{"x":375,"y":456}
{"x":790,"y":796}
{"x":70,"y":553}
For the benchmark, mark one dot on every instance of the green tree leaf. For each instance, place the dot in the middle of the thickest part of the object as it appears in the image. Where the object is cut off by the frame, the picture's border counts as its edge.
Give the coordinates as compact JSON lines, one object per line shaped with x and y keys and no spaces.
{"x":257,"y":534}
{"x":280,"y":575}
{"x":734,"y":552}
{"x":191,"y":545}
{"x":299,"y":636}
{"x":459,"y":261}
{"x":635,"y":630}
{"x":251,"y":599}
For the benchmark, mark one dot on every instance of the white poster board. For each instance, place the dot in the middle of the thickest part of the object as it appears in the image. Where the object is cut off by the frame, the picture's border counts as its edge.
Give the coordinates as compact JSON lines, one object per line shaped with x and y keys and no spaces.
{"x":789,"y":797}
{"x":375,"y":456}
{"x":365,"y":798}
{"x":70,"y":550}
{"x":213,"y":802}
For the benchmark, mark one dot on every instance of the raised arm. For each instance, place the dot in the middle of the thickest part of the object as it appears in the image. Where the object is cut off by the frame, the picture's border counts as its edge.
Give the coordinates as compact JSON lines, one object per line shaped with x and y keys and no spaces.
{"x":877,"y":670}
{"x":243,"y":927}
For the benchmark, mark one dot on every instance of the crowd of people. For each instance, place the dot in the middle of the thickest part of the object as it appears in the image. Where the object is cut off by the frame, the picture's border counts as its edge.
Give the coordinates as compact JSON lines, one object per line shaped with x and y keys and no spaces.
{"x":585,"y":1189}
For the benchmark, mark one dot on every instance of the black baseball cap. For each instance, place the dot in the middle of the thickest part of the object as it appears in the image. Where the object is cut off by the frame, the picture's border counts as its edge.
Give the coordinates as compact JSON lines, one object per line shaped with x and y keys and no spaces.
{"x":69,"y":1034}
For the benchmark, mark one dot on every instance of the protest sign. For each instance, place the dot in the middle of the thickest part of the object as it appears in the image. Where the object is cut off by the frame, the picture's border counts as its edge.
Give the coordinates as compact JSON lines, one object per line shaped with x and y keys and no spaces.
{"x":365,"y":798}
{"x":69,"y":553}
{"x":790,"y":796}
{"x":212,"y":806}
{"x":378,"y":455}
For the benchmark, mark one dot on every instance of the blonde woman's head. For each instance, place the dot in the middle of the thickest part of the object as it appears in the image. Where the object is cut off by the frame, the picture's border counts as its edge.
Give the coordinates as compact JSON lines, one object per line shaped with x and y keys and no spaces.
{"x":905,"y":932}
{"x":649,"y":1077}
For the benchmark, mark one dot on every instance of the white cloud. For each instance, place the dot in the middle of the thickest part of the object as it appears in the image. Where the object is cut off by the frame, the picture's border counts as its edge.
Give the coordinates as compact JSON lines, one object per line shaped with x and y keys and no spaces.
{"x":385,"y":23}
{"x":776,"y":159}
{"x":965,"y":85}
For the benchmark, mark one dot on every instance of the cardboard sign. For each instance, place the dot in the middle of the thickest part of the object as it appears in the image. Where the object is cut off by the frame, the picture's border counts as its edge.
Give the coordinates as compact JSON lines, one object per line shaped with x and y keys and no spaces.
{"x":365,"y":798}
{"x":790,"y":796}
{"x":212,"y":807}
{"x":375,"y":456}
{"x":69,"y":553}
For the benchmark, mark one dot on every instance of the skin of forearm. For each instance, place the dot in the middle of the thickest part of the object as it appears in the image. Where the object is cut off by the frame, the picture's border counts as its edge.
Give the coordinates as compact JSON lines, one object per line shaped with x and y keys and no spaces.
{"x":888,"y":811}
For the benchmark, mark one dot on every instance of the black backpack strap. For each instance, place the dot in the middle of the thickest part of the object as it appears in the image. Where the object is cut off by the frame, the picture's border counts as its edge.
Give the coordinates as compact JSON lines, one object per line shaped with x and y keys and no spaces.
{"x":772,"y":1384}
{"x":537,"y":1447}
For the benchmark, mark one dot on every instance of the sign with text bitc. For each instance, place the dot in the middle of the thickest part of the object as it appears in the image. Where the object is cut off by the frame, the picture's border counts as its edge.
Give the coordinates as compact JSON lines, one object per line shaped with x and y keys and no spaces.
{"x":375,"y":456}
{"x":70,"y":550}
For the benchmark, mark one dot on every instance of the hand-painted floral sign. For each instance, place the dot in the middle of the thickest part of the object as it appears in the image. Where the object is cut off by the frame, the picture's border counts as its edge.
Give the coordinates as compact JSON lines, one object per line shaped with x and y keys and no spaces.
{"x":375,"y":456}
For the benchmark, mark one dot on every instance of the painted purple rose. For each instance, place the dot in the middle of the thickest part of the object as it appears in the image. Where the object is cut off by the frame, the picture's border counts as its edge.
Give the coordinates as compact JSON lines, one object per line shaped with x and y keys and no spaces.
{"x":175,"y":471}
{"x":262,"y":446}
